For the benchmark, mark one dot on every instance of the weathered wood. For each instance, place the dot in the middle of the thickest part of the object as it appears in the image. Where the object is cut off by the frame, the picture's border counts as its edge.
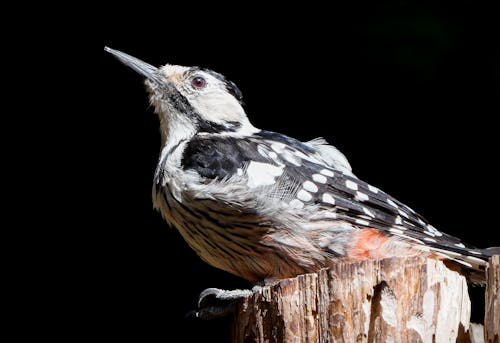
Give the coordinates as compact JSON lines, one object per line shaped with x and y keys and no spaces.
{"x":492,"y":301}
{"x":392,"y":300}
{"x":476,"y":333}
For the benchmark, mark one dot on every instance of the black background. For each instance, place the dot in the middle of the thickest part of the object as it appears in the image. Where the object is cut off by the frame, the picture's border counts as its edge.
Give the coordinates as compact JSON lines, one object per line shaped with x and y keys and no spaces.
{"x":409,"y":93}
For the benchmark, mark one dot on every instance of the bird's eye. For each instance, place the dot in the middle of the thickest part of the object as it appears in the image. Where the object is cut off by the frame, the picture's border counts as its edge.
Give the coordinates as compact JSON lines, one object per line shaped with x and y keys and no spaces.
{"x":198,"y":82}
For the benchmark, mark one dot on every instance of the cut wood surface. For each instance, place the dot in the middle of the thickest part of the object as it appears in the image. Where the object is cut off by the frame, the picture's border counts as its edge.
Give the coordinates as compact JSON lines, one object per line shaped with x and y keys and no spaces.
{"x":392,"y":300}
{"x":492,"y":301}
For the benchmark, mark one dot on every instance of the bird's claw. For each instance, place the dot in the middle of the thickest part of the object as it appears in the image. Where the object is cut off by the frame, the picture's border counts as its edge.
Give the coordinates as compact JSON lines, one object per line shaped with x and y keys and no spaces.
{"x":216,"y":303}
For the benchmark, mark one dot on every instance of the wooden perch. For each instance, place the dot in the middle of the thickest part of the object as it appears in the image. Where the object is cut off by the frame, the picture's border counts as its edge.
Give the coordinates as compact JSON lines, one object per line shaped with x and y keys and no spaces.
{"x":392,"y":300}
{"x":492,"y":301}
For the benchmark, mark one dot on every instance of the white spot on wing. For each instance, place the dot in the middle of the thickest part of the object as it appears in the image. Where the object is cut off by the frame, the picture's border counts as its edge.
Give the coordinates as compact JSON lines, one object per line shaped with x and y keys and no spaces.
{"x":361,"y":196}
{"x":328,"y":199}
{"x":373,"y":189}
{"x":304,"y":195}
{"x":404,"y":214}
{"x":396,"y":231}
{"x":398,"y":220}
{"x":301,"y":155}
{"x":428,"y":239}
{"x":460,"y":245}
{"x":239,"y":171}
{"x":327,"y":172}
{"x":262,"y":174}
{"x":272,"y":154}
{"x":330,"y":215}
{"x":434,"y":230}
{"x":409,"y":209}
{"x":296,"y":204}
{"x":319,"y":178}
{"x":368,"y":212}
{"x":362,"y":222}
{"x":392,"y":203}
{"x":309,"y":186}
{"x":278,"y":147}
{"x":352,"y":185}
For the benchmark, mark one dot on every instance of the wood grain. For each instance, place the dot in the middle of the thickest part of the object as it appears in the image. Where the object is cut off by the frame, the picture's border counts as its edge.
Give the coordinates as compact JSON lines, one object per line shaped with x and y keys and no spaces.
{"x":492,"y":301}
{"x":391,"y":300}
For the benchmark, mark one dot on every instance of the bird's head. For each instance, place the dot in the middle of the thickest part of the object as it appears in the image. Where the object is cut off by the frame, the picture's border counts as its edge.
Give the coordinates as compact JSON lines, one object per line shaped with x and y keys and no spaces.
{"x":189,"y":100}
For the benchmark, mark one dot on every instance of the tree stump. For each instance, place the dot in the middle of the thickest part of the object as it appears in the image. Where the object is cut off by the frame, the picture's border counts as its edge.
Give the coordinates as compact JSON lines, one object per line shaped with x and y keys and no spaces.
{"x":392,"y":300}
{"x":492,"y":301}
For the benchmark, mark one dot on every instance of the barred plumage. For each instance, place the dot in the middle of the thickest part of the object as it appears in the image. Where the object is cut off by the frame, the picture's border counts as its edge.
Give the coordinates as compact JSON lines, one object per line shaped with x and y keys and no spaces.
{"x":262,"y":205}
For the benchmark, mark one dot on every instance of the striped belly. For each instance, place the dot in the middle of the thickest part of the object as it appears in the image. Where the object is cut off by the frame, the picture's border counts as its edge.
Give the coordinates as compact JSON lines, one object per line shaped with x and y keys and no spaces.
{"x":224,"y":239}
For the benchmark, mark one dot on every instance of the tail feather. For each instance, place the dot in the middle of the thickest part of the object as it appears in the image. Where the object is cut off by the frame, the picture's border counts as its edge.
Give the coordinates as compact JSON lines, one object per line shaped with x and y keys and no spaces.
{"x":491,"y":251}
{"x":471,"y":262}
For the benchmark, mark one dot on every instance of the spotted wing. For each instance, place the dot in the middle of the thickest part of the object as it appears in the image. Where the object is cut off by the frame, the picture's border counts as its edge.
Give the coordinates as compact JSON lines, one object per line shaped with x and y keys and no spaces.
{"x":331,"y":186}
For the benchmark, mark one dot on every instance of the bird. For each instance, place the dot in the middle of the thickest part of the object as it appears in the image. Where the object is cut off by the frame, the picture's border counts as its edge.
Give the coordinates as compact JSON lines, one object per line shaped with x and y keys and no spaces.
{"x":264,"y":206}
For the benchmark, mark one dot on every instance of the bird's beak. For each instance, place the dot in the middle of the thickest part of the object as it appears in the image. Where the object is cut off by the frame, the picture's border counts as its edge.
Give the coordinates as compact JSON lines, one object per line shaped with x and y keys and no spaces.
{"x":143,"y":68}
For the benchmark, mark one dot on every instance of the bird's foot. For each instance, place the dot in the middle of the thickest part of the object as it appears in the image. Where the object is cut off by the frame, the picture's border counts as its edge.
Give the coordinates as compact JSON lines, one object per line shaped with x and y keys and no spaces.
{"x":215,"y":302}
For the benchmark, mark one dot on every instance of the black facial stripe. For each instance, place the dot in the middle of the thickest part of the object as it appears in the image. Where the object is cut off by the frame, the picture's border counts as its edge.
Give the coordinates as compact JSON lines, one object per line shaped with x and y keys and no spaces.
{"x":182,"y":105}
{"x":178,"y":101}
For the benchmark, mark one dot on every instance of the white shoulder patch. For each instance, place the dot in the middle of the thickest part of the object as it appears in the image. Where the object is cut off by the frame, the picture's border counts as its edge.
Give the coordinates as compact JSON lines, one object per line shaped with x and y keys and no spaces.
{"x":262,"y":174}
{"x":330,"y":155}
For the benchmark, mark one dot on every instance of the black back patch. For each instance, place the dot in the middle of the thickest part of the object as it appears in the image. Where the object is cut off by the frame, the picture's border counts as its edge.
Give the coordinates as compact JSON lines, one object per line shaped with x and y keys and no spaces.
{"x":219,"y":156}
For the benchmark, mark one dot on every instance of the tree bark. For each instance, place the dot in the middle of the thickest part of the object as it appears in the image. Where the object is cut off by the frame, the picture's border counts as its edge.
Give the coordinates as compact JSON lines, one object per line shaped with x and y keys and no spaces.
{"x":392,"y":300}
{"x":492,"y":301}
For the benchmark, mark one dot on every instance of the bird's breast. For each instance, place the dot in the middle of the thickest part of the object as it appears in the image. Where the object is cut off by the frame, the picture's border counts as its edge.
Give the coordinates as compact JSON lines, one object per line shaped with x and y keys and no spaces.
{"x":224,"y":240}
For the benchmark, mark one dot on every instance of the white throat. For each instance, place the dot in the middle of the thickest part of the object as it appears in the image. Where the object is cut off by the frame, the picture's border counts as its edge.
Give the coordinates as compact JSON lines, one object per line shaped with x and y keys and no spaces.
{"x":174,"y":128}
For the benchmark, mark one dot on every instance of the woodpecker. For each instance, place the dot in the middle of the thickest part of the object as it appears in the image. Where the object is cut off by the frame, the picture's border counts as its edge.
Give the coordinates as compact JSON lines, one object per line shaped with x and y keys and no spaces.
{"x":265,"y":206}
